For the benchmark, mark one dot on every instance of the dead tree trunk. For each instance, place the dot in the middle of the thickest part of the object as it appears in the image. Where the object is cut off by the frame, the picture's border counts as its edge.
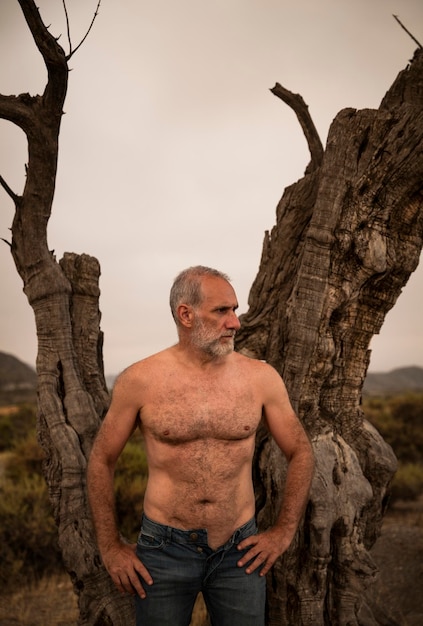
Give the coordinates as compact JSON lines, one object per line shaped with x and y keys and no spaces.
{"x":347,"y":237}
{"x":72,"y":394}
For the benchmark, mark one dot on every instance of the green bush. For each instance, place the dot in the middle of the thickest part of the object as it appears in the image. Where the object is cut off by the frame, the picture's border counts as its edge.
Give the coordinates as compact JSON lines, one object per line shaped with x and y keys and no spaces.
{"x":130,"y":484}
{"x":400,"y":422}
{"x":16,"y":425}
{"x":27,"y":459}
{"x":408,"y":481}
{"x":29,"y":537}
{"x":399,"y":419}
{"x":28,"y":546}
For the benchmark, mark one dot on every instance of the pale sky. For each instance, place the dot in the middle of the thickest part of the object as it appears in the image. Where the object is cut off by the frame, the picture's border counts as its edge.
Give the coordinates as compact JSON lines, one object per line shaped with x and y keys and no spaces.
{"x":173,"y":151}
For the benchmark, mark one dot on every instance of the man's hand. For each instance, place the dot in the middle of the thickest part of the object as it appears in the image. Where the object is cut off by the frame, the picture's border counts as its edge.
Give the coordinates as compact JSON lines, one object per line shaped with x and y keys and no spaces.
{"x":124,"y":566}
{"x":265,"y":547}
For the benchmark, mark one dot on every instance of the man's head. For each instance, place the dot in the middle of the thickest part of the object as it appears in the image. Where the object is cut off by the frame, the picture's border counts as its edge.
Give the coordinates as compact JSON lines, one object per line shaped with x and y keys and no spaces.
{"x":186,"y":288}
{"x":203,"y":304}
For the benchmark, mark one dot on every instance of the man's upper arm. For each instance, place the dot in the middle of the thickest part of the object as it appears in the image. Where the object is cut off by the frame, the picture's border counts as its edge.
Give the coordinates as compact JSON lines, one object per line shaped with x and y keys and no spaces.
{"x":119,"y":422}
{"x":280,"y":417}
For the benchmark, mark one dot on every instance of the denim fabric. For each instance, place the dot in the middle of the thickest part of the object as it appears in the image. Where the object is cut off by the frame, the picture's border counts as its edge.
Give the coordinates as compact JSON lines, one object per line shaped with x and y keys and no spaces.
{"x":182,"y":564}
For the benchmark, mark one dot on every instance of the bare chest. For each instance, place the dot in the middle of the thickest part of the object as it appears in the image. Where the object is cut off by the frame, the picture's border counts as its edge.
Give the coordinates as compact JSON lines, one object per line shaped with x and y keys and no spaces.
{"x":181,"y":411}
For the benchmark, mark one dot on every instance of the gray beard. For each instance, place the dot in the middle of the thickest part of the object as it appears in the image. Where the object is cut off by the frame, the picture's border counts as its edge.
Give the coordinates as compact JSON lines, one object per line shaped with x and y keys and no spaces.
{"x":216,"y":348}
{"x":211,"y":345}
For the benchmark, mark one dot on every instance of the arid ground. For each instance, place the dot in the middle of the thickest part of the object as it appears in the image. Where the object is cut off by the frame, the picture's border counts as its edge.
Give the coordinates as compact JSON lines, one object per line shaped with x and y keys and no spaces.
{"x":399,"y":554}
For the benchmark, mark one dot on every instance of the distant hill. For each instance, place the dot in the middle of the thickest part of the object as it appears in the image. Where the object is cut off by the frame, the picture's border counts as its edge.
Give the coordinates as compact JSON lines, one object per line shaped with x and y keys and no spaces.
{"x":18,"y":381}
{"x":397,"y":381}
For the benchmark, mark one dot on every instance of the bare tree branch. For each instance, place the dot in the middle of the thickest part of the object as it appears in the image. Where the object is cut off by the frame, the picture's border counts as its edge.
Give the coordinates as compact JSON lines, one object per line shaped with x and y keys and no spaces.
{"x":52,"y":53}
{"x":407,"y":31}
{"x":16,"y":199}
{"x":67,"y":26}
{"x":18,"y":110}
{"x":72,"y":52}
{"x":300,"y":108}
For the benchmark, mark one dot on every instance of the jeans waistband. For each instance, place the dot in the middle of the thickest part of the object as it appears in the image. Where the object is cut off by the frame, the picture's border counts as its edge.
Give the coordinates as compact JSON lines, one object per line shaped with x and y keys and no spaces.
{"x":194,"y":535}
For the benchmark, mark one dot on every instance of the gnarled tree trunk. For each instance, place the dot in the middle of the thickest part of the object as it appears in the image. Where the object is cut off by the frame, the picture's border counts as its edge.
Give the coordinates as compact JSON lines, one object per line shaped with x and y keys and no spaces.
{"x":72,"y":394}
{"x":347,"y":237}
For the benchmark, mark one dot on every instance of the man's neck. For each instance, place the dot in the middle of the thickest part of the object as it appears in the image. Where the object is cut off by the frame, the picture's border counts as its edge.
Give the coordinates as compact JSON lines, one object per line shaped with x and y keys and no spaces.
{"x":195,"y":357}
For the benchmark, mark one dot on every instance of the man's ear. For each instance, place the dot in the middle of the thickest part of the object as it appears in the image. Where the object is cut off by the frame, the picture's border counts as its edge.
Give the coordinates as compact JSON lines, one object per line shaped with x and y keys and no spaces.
{"x":185,"y":315}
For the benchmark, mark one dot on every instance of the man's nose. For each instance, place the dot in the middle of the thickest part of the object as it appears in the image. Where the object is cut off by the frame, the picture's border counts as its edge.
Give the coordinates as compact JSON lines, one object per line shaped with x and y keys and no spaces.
{"x":233,"y":321}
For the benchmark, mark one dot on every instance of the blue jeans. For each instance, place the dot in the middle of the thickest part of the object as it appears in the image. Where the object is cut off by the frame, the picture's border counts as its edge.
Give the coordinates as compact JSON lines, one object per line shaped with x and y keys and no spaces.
{"x":182,"y":564}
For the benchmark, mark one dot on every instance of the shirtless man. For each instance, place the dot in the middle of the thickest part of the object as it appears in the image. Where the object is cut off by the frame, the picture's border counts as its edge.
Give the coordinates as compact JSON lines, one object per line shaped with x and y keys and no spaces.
{"x":198,"y":405}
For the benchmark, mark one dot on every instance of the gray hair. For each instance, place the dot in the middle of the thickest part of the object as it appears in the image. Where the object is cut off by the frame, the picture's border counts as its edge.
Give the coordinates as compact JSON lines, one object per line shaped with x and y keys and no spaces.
{"x":186,"y":288}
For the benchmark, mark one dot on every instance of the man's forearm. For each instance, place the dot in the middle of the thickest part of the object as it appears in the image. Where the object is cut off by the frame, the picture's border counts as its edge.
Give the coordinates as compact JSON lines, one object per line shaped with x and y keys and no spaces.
{"x":102,"y":505}
{"x":296,"y":492}
{"x":266,"y":547}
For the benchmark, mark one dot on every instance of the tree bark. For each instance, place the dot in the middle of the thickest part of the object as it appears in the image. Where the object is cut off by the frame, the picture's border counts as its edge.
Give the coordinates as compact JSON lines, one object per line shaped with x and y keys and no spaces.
{"x":72,"y":394}
{"x":347,"y":237}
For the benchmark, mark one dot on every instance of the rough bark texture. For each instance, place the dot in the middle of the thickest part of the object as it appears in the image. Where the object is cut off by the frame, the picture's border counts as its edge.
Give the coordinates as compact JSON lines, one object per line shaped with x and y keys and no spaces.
{"x":72,"y":394}
{"x":347,"y":237}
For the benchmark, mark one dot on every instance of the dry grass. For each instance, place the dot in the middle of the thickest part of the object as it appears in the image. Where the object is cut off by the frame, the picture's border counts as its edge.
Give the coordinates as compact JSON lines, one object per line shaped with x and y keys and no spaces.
{"x":48,"y":602}
{"x":9,"y":409}
{"x":406,"y":513}
{"x":52,"y":602}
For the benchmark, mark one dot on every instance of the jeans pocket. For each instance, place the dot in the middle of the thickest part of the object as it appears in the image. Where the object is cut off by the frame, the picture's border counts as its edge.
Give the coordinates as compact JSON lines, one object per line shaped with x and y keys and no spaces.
{"x":248,"y":530}
{"x":149,"y":542}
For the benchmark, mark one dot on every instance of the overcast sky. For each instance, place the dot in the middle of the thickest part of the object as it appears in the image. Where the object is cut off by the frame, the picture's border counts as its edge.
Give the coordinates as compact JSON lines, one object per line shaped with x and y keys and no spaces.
{"x":173,"y":151}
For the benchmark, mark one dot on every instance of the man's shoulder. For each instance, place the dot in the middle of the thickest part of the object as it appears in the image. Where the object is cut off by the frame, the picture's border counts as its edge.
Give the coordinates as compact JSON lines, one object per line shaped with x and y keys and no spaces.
{"x":249,"y":361}
{"x":145,"y":366}
{"x":251,"y":364}
{"x":257,"y":368}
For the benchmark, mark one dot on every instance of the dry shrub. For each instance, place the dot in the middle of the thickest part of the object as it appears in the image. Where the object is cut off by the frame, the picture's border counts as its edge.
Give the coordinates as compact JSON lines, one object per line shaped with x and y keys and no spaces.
{"x":29,"y":546}
{"x":399,"y":419}
{"x":29,"y":536}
